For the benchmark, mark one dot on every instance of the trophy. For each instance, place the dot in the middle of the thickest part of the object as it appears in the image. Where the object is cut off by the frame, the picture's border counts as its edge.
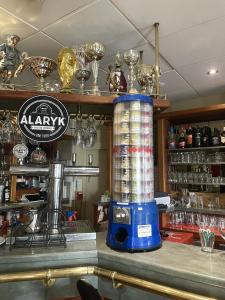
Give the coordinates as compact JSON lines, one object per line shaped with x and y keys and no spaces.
{"x":131,"y":58}
{"x":83,"y":72}
{"x":115,"y":77}
{"x":41,"y":67}
{"x":67,"y":66}
{"x":82,"y":75}
{"x":146,"y":78}
{"x":93,"y":53}
{"x":10,"y":60}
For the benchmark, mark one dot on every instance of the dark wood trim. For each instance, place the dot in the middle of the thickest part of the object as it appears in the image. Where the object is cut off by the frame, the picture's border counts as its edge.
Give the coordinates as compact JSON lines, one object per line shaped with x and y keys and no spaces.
{"x":66,"y":98}
{"x":6,"y":95}
{"x":109,"y":157}
{"x":206,"y":113}
{"x":162,"y":130}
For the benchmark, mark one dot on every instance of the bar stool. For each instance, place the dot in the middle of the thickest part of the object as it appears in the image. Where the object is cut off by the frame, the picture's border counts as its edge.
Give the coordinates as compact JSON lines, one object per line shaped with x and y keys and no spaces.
{"x":87,"y":291}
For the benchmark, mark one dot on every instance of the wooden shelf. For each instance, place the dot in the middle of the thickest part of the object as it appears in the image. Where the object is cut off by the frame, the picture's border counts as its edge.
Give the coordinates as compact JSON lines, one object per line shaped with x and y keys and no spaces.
{"x":6,"y":95}
{"x":200,"y":114}
{"x":187,"y":116}
{"x":63,"y":97}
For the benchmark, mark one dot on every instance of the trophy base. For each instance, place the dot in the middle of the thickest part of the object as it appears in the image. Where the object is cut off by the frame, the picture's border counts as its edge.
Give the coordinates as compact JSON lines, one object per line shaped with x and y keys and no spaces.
{"x":133,"y":91}
{"x":7,"y":86}
{"x":66,"y":90}
{"x":95,"y":91}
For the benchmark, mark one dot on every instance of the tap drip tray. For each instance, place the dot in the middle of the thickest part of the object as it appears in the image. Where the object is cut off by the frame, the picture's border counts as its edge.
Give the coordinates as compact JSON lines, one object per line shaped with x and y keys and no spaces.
{"x":47,"y":228}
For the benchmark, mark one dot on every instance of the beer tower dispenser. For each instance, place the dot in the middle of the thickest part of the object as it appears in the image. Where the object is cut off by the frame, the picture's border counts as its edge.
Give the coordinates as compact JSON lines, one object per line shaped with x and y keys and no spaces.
{"x":133,"y":213}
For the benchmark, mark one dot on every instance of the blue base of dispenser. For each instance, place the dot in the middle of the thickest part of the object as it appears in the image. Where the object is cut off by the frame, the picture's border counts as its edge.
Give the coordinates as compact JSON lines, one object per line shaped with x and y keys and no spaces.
{"x":133,"y":226}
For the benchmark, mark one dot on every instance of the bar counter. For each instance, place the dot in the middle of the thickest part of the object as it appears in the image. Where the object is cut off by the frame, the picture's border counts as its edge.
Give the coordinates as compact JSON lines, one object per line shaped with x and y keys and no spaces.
{"x":176,"y":265}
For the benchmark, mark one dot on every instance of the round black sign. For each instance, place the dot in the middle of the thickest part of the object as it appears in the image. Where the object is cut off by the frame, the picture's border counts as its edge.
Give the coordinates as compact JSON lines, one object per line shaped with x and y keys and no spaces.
{"x":43,"y":118}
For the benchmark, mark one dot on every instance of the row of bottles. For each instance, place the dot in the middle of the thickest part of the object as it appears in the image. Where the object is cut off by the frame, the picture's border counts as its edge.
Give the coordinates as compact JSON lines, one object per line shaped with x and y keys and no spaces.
{"x":189,"y":137}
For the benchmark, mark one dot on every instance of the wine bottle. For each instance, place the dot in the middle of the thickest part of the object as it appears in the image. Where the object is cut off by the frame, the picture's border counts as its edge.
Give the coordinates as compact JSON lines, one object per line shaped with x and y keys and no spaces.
{"x":222,"y":137}
{"x":6,"y":192}
{"x":172,"y":138}
{"x":198,"y":137}
{"x":216,"y":137}
{"x":182,"y":139}
{"x":189,"y":137}
{"x":206,"y":136}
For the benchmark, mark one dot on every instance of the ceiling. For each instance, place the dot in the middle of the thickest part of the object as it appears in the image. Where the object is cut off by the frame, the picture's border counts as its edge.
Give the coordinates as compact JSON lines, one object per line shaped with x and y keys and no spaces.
{"x":192,"y":38}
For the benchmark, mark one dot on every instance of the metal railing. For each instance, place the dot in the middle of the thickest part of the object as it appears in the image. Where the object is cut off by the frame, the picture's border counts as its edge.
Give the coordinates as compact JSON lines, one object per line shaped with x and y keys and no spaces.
{"x":118,"y":279}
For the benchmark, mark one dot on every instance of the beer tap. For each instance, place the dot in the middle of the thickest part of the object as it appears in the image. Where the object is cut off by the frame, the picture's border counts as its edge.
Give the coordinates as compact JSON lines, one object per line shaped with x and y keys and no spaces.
{"x":56,"y":172}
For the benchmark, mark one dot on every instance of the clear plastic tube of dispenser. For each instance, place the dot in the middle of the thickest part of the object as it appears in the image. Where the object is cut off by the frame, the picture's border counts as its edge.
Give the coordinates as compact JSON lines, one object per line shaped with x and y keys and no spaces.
{"x":133,"y":179}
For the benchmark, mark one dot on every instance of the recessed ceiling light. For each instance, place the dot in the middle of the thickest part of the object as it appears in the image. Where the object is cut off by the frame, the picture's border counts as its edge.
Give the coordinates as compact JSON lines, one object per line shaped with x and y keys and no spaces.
{"x":212,"y":72}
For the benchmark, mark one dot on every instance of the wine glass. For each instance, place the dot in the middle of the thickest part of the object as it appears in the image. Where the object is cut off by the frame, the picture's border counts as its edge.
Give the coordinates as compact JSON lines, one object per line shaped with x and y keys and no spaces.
{"x":79,"y":131}
{"x":8,"y":129}
{"x":90,"y":133}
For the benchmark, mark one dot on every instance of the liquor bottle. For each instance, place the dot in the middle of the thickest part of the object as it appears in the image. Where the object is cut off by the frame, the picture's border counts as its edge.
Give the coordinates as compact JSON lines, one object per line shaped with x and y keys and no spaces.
{"x":189,"y":137}
{"x":6,"y":192}
{"x":206,"y":136}
{"x":222,"y":137}
{"x":182,"y":139}
{"x":177,"y":136}
{"x":172,"y":138}
{"x":198,"y":137}
{"x":216,"y":137}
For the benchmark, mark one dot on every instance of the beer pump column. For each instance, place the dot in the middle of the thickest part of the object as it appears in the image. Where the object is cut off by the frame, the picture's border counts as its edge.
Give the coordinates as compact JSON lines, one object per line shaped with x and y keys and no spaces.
{"x":56,"y":172}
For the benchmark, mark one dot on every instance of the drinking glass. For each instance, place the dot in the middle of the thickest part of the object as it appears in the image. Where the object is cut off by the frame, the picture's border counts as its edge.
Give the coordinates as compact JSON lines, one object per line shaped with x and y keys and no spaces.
{"x":207,"y":237}
{"x":79,"y":131}
{"x":8,"y":129}
{"x":90,"y":132}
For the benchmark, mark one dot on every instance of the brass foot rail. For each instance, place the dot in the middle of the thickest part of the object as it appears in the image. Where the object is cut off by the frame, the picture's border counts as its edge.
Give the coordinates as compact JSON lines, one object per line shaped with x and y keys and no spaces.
{"x":118,"y":279}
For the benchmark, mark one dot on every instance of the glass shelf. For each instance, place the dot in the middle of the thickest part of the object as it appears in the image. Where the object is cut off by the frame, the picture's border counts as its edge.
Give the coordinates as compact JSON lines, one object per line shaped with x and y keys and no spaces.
{"x":198,"y":148}
{"x":188,"y":183}
{"x":214,"y":211}
{"x":197,"y":163}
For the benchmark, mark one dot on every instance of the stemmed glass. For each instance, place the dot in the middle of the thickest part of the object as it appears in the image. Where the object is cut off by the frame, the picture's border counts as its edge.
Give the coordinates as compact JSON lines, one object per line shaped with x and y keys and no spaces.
{"x":90,"y":133}
{"x":131,"y":58}
{"x":85,"y":136}
{"x":79,"y":131}
{"x":8,"y":129}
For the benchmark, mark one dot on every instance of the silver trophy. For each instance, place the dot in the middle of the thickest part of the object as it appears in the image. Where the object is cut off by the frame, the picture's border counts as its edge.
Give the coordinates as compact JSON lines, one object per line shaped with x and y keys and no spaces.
{"x":83,"y":73}
{"x":131,"y":58}
{"x":41,"y":67}
{"x":93,"y":53}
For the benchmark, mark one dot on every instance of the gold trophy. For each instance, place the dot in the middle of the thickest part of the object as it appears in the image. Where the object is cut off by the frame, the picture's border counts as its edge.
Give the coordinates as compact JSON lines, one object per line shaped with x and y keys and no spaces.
{"x":145,"y":76}
{"x":40,"y":66}
{"x":67,"y":66}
